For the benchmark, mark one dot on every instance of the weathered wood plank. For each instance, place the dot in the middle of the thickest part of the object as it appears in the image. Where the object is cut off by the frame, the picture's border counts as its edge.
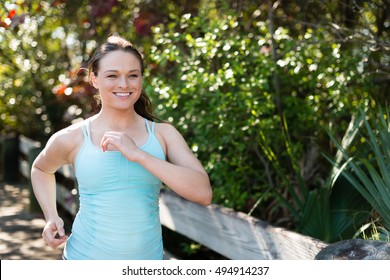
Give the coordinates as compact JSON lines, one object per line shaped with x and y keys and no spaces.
{"x":234,"y":234}
{"x":24,"y":168}
{"x":67,"y":172}
{"x":67,"y":200}
{"x":26,"y":144}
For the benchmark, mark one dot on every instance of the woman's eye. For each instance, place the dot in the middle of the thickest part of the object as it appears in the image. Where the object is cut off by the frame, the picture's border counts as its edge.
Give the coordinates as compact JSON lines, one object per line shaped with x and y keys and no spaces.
{"x":133,"y":76}
{"x":111,"y":76}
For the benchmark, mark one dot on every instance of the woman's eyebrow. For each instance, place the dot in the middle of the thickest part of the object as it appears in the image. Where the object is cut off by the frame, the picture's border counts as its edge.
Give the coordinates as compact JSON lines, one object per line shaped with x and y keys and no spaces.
{"x":133,"y":70}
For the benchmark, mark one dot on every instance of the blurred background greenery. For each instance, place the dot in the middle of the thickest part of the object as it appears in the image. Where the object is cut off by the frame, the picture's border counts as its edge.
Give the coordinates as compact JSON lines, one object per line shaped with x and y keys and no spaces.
{"x":276,"y":98}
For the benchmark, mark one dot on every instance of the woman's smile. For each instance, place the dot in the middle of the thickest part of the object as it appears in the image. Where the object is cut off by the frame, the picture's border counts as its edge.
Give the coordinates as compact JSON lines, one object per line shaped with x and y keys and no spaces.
{"x":122,"y":94}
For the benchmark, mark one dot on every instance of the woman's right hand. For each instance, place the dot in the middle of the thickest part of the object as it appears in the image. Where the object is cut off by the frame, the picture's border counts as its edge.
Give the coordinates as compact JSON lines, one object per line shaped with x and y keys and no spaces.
{"x":53,"y":233}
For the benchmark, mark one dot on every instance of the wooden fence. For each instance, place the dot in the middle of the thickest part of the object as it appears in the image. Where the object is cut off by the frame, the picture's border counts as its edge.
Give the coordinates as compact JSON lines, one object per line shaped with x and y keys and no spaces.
{"x":232,"y":234}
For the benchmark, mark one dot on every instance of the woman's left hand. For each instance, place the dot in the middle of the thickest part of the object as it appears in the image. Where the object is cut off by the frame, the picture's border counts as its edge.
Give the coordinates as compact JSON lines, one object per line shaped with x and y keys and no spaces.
{"x":113,"y":140}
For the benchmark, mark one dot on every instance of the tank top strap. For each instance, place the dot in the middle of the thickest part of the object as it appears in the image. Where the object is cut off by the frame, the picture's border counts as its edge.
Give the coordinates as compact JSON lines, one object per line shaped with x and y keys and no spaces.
{"x":150,"y":129}
{"x":85,"y":128}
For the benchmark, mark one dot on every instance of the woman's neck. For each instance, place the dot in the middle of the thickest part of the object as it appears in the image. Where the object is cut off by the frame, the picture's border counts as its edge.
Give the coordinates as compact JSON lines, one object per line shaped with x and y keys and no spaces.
{"x":118,"y":120}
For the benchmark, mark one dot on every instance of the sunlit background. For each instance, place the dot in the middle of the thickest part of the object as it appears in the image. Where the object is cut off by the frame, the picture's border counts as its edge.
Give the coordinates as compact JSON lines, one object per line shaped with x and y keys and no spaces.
{"x":262,"y":91}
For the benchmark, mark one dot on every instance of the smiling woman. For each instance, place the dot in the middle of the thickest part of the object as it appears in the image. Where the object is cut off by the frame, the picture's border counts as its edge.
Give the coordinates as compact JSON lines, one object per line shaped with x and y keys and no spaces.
{"x":119,"y":75}
{"x":120,"y":156}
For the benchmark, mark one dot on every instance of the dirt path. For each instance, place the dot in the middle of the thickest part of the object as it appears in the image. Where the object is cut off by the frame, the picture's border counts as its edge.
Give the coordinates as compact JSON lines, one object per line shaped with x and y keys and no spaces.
{"x":20,"y":231}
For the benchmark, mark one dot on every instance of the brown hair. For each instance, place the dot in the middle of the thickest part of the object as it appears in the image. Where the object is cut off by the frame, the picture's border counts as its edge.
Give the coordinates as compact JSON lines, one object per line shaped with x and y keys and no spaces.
{"x":143,"y":106}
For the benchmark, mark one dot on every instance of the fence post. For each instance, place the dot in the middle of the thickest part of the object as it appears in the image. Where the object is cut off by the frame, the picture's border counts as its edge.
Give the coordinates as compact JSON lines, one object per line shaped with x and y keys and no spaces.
{"x":10,"y":158}
{"x":34,"y":205}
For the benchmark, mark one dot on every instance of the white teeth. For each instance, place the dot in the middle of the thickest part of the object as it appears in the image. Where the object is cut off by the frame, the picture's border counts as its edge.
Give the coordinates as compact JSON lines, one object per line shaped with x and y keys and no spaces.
{"x":122,"y":94}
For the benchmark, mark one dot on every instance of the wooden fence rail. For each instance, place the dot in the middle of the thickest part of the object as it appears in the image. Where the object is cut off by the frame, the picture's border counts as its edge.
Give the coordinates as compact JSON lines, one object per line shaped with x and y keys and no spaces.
{"x":232,"y":234}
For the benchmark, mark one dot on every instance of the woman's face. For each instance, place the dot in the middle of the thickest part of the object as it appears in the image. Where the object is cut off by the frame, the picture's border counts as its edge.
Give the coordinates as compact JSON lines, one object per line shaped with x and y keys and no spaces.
{"x":119,"y":80}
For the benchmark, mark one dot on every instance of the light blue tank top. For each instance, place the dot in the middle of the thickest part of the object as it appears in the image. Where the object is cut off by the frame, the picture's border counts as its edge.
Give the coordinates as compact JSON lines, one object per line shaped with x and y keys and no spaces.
{"x":119,"y":213}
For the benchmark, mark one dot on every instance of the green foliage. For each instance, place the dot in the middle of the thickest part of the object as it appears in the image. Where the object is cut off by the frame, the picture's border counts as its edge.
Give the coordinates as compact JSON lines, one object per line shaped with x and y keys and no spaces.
{"x":373,"y":231}
{"x":331,"y":212}
{"x":202,"y":86}
{"x":334,"y":212}
{"x":214,"y":79}
{"x":190,"y":249}
{"x":369,"y":171}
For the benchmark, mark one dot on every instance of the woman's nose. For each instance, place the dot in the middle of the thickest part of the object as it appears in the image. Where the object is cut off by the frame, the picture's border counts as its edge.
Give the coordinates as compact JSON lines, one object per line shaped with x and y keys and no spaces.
{"x":123,"y":82}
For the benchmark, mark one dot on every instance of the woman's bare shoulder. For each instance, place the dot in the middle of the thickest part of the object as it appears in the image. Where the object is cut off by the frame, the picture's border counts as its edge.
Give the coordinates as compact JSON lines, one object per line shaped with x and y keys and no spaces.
{"x":166,"y":131}
{"x":68,"y":133}
{"x":61,"y":148}
{"x":164,"y":127}
{"x":170,"y":134}
{"x":67,"y":139}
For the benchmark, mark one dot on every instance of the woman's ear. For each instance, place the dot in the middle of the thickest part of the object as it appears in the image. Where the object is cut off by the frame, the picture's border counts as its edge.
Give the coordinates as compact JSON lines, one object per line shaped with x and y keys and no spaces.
{"x":93,"y":81}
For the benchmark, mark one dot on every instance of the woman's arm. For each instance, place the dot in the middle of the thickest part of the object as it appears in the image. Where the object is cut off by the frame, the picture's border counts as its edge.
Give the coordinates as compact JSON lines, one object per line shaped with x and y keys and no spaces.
{"x":55,"y":154}
{"x":182,"y":172}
